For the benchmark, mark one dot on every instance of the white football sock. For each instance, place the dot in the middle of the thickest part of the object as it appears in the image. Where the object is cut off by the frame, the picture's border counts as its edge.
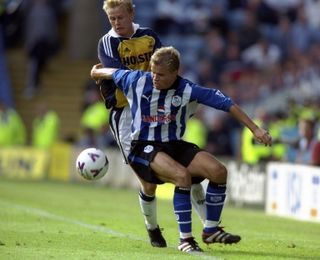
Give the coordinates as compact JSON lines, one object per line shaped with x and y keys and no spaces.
{"x":198,"y":201}
{"x":148,"y":205}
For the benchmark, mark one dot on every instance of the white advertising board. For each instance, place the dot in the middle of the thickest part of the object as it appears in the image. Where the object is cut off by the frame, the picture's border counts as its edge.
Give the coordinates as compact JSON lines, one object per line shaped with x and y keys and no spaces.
{"x":246,"y":184}
{"x":293,"y":191}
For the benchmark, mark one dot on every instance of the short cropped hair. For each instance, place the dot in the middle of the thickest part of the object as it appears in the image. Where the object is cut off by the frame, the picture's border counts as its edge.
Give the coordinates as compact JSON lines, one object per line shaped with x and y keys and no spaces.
{"x":108,"y":4}
{"x":168,"y":56}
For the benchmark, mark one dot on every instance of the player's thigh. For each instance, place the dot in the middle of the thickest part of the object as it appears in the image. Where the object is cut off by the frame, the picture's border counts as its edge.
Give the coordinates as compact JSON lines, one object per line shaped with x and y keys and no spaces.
{"x":206,"y":165}
{"x":120,"y":122}
{"x":169,"y":170}
{"x":125,"y":130}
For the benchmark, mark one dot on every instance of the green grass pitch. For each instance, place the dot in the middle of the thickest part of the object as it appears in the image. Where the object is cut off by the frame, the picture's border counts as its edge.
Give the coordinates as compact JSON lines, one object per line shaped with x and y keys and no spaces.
{"x":50,"y":220}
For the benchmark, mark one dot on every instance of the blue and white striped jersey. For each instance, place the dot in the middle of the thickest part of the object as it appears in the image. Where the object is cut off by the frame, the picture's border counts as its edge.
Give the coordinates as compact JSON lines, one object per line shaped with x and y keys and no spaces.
{"x":161,"y":115}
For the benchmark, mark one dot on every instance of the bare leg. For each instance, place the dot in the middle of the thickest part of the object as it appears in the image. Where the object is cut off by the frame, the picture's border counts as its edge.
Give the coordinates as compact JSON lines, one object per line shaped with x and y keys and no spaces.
{"x":168,"y":170}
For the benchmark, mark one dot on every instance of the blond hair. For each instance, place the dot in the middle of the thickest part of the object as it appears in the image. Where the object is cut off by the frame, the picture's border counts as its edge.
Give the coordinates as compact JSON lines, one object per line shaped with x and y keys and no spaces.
{"x":168,"y":56}
{"x":109,"y":4}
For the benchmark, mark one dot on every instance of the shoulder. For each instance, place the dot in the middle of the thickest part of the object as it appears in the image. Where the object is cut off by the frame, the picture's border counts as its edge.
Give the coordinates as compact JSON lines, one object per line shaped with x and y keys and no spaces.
{"x":109,"y":41}
{"x":185,"y":83}
{"x":146,"y":31}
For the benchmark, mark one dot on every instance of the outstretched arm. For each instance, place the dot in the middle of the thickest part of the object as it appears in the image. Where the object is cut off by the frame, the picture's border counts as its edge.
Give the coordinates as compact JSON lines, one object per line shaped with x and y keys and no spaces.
{"x":261,"y":135}
{"x":98,"y":72}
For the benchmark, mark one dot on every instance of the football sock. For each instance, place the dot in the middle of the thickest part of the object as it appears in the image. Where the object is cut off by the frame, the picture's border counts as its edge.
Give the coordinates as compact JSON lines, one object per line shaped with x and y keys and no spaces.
{"x":198,"y":201}
{"x":148,"y":205}
{"x":215,"y":198}
{"x":182,"y":210}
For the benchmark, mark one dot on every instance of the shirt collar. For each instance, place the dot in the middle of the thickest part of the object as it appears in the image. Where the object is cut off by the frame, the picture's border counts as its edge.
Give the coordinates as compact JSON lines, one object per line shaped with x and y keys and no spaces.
{"x":114,"y":34}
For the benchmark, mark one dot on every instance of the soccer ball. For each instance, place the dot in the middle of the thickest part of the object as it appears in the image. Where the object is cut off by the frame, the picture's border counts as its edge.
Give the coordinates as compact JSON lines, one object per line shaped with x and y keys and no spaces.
{"x":92,"y":164}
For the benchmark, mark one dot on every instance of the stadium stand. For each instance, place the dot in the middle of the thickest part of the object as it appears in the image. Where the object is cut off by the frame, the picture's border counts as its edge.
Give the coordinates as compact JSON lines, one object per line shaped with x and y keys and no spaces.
{"x":63,"y":89}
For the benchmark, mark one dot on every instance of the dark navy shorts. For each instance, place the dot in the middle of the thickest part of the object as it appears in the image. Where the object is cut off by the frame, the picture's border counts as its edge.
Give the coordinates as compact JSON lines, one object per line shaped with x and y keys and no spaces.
{"x":143,"y":152}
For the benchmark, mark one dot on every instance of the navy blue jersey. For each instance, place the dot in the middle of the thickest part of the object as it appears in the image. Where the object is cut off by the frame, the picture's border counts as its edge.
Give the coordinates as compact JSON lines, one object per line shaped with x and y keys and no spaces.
{"x":127,"y":53}
{"x":161,"y":115}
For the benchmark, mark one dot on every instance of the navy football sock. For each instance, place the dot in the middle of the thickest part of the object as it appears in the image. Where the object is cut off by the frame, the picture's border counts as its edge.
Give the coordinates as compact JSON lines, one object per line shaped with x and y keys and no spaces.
{"x":182,"y":210}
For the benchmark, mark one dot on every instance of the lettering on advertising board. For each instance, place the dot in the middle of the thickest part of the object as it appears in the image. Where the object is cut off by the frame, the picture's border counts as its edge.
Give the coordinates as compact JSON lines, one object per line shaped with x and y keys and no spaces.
{"x":24,"y":163}
{"x":294,"y":193}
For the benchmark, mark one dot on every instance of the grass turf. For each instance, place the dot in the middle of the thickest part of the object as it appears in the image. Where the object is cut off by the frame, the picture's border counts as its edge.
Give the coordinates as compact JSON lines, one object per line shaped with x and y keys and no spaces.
{"x":48,"y":220}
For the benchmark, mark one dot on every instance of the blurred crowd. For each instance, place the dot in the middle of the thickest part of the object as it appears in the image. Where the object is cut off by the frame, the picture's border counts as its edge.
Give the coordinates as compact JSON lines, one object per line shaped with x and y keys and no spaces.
{"x":250,"y":47}
{"x":263,"y":52}
{"x":260,"y":52}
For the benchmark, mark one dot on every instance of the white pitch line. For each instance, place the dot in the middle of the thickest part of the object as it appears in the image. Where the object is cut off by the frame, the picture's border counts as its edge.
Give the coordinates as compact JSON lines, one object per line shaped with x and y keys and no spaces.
{"x":46,"y":214}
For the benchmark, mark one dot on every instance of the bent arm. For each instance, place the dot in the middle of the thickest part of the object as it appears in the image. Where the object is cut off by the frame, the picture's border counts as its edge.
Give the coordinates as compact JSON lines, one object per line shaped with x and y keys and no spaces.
{"x":260,"y":134}
{"x":98,"y":72}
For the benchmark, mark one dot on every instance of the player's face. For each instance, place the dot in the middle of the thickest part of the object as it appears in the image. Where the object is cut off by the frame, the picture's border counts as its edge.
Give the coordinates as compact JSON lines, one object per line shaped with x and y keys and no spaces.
{"x":121,"y":21}
{"x":162,"y":78}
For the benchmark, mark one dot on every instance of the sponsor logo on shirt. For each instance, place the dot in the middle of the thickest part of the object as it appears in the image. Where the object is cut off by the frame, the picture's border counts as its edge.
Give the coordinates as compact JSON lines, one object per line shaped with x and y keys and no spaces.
{"x":133,"y":60}
{"x":159,"y":118}
{"x":146,"y":97}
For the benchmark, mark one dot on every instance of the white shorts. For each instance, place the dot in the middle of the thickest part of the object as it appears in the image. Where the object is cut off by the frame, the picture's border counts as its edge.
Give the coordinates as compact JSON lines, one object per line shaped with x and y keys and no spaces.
{"x":120,"y":125}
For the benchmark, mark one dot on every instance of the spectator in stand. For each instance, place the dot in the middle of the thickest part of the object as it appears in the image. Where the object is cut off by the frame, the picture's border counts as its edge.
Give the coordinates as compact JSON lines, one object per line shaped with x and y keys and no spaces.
{"x":309,"y":146}
{"x":252,"y":152}
{"x":205,"y":73}
{"x":312,"y":8}
{"x":219,"y":141}
{"x":235,"y":12}
{"x":91,"y":94}
{"x":41,"y":41}
{"x":94,"y":129}
{"x":11,"y":18}
{"x":217,"y":19}
{"x":5,"y":86}
{"x":170,"y":17}
{"x":213,"y":51}
{"x":45,"y":127}
{"x":262,"y":55}
{"x":302,"y":33}
{"x":233,"y":67}
{"x":196,"y":131}
{"x":281,"y":35}
{"x":248,"y":32}
{"x":287,"y":7}
{"x":12,"y":129}
{"x":197,"y":14}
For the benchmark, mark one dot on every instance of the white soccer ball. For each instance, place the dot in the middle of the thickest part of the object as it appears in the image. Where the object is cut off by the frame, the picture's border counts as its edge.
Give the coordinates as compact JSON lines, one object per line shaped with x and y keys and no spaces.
{"x":92,"y":164}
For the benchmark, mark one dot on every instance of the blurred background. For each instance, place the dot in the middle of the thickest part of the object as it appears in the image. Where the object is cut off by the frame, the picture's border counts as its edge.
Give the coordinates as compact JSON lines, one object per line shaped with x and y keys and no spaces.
{"x":265,"y":54}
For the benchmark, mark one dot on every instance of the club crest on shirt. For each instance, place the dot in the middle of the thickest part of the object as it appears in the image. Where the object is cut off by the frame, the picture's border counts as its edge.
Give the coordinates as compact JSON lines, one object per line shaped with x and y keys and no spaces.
{"x":148,"y":149}
{"x":176,"y":101}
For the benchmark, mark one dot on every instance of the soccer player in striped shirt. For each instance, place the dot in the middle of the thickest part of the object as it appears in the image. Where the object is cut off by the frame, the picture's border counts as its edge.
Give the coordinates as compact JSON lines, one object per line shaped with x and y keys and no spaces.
{"x":161,"y":102}
{"x":129,"y":46}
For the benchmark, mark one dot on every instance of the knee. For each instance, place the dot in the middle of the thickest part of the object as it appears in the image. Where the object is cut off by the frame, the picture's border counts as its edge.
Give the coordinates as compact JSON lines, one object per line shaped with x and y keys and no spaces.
{"x":219,"y":174}
{"x":183,"y":179}
{"x":223,"y":173}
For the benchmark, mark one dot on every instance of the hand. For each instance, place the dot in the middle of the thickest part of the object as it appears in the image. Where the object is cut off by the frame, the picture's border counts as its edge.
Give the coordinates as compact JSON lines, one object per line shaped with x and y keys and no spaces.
{"x":95,"y":75}
{"x":263,"y":136}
